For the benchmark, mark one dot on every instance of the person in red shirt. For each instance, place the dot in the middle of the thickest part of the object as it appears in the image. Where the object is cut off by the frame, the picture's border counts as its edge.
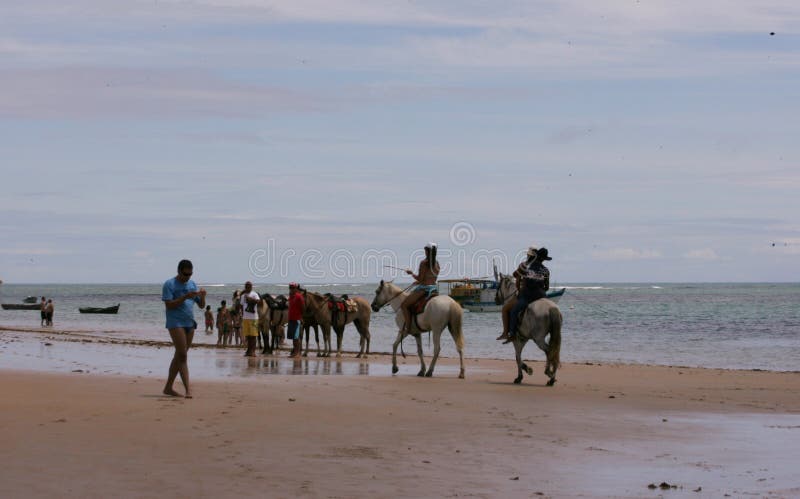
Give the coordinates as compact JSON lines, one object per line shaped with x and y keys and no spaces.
{"x":296,"y":305}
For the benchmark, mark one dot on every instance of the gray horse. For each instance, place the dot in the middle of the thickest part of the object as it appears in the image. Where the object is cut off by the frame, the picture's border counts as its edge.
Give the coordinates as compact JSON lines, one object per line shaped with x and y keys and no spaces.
{"x":541,"y":318}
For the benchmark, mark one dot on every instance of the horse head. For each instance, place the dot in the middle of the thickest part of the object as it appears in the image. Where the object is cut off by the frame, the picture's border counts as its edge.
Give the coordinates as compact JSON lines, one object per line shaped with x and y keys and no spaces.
{"x":505,"y":289}
{"x":379,"y":300}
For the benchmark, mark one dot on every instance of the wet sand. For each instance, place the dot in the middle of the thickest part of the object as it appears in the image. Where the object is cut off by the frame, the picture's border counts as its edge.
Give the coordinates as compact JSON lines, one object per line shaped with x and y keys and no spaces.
{"x":295,"y":431}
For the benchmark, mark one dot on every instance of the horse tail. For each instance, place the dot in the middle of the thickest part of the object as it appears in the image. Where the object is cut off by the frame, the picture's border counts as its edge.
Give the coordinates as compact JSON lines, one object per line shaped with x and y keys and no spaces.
{"x":554,"y":350}
{"x":454,"y":325}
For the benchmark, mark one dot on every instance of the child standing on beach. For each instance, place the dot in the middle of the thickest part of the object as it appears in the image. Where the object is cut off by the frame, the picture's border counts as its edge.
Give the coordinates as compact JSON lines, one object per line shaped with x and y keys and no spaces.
{"x":222,"y":324}
{"x":209,"y":320}
{"x":236,"y":321}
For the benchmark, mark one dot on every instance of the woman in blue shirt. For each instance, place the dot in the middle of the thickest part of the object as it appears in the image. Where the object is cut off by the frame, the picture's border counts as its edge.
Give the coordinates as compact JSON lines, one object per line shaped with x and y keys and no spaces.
{"x":179,"y":294}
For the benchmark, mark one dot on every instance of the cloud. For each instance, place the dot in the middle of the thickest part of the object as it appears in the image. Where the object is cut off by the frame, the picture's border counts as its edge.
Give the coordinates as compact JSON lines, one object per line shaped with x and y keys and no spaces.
{"x":72,"y":92}
{"x":615,"y":254}
{"x":33,"y":251}
{"x":701,"y":254}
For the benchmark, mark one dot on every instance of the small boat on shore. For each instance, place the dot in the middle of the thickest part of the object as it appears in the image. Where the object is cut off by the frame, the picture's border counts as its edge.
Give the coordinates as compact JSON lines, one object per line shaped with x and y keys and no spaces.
{"x":99,"y":310}
{"x":21,"y":306}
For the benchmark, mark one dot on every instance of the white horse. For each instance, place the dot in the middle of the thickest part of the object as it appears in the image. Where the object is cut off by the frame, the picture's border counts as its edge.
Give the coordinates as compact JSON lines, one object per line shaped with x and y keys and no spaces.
{"x":440,"y":312}
{"x":541,"y":318}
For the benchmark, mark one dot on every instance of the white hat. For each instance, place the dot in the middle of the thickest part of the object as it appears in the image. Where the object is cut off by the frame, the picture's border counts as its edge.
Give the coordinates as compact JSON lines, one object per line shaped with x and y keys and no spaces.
{"x":430,"y":245}
{"x":532,"y":251}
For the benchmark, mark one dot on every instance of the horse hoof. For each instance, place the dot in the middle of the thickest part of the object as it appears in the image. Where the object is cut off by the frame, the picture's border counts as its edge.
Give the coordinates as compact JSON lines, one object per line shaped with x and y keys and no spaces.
{"x":460,"y":375}
{"x":551,"y":382}
{"x":394,"y":369}
{"x":528,"y":370}
{"x":305,"y":355}
{"x":429,"y":374}
{"x":518,"y":380}
{"x":421,"y":374}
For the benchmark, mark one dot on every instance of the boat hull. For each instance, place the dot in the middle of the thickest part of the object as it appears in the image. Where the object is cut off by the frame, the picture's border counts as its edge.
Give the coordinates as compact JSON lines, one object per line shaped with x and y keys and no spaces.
{"x":21,"y":306}
{"x":99,"y":310}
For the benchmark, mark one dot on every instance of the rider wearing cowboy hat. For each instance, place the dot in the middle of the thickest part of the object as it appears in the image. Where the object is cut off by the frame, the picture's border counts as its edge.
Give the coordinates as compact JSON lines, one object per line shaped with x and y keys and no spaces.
{"x":533,"y":281}
{"x":509,"y":304}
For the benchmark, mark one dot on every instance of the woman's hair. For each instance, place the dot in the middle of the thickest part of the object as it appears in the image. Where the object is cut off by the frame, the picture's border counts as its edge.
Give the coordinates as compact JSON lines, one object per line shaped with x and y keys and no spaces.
{"x":432,"y":258}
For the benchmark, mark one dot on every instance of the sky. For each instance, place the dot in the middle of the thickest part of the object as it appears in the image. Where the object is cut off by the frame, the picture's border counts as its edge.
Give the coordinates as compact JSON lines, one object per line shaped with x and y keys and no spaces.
{"x":321,"y":140}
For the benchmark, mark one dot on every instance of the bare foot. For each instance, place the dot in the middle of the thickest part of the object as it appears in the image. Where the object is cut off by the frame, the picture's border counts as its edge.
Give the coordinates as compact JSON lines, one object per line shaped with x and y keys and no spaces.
{"x":171,"y":392}
{"x":188,"y":394}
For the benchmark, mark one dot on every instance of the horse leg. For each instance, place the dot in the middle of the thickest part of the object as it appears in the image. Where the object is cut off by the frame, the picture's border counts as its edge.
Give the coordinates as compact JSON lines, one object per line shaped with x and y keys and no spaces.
{"x":421,"y":372}
{"x":326,"y":340}
{"x":460,"y":360}
{"x":518,"y":355}
{"x":394,"y":351}
{"x":339,"y":336}
{"x":437,"y":346}
{"x":364,"y":340}
{"x":265,"y":336}
{"x":306,"y":333}
{"x":316,"y":339}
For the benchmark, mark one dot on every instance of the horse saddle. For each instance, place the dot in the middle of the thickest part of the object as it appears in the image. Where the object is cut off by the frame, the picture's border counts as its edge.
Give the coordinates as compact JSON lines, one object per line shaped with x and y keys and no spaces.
{"x":341,"y":303}
{"x":419,"y":306}
{"x":280,"y":302}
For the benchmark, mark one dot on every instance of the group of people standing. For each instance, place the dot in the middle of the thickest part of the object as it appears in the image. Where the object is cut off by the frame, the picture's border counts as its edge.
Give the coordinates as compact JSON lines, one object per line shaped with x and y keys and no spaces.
{"x":47,"y":308}
{"x":228,"y":322}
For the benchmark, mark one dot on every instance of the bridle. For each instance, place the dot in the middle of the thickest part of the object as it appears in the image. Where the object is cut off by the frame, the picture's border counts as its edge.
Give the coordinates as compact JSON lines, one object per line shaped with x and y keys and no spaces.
{"x":506,"y":298}
{"x":397,"y":295}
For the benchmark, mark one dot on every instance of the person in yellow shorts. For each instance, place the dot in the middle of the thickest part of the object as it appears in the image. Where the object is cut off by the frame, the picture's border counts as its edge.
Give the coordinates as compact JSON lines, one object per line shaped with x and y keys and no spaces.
{"x":249,"y":300}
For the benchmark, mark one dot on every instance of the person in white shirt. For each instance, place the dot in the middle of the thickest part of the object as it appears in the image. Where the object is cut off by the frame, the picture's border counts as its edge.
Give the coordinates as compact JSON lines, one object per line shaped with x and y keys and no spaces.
{"x":249,"y":300}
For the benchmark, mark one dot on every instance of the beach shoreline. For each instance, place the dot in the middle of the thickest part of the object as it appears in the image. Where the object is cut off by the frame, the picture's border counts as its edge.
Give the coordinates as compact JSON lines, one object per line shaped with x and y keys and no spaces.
{"x":607,"y":430}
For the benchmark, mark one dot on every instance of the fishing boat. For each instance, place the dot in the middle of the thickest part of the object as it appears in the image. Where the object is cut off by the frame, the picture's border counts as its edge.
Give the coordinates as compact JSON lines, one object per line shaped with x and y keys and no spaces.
{"x":21,"y":306}
{"x":477,"y":295}
{"x":99,"y":310}
{"x":30,"y":299}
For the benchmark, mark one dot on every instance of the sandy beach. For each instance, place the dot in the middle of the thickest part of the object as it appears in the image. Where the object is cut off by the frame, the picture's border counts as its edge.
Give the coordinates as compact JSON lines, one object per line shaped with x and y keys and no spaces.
{"x":602,"y":431}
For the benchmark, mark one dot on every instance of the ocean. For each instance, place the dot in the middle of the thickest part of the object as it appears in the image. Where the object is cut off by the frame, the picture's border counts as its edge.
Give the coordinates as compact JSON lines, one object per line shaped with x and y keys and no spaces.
{"x":730,"y":326}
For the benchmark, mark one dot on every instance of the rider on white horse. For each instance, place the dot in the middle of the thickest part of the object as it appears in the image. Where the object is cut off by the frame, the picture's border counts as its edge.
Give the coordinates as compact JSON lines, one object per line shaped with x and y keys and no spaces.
{"x":535,"y":283}
{"x":425,"y":280}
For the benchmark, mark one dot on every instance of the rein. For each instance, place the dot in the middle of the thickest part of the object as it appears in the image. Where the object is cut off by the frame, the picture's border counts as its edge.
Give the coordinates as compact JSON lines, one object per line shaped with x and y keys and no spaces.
{"x":397,"y":295}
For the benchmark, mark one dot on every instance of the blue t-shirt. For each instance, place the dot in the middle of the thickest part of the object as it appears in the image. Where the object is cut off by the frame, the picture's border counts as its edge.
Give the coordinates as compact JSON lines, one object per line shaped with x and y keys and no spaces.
{"x":183,"y":314}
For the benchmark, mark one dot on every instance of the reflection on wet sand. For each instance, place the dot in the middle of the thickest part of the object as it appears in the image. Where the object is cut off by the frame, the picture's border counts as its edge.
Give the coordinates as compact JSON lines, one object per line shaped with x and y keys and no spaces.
{"x":67,"y":353}
{"x":257,"y":366}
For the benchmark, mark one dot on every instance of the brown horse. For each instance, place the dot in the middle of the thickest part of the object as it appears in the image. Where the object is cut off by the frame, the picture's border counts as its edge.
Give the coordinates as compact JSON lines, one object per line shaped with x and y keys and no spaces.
{"x":309,"y":321}
{"x":273,"y":315}
{"x":317,"y":308}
